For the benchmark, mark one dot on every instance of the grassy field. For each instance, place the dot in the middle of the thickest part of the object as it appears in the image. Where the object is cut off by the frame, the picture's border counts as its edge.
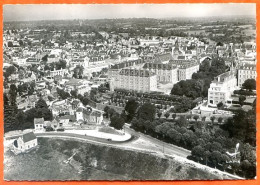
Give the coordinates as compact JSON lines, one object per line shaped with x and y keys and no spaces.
{"x":94,"y":162}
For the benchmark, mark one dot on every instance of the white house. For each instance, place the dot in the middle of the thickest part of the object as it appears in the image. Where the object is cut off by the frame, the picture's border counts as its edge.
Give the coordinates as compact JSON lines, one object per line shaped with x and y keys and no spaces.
{"x":221,"y":88}
{"x":38,"y":124}
{"x":89,"y":115}
{"x":25,"y":142}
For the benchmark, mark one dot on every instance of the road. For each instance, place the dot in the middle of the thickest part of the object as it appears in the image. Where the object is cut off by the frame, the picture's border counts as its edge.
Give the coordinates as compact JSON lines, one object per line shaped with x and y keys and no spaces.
{"x":138,"y":142}
{"x":163,"y":147}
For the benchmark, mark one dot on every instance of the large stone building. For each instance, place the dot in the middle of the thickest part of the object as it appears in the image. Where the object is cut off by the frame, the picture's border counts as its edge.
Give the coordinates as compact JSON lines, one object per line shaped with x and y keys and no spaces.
{"x":135,"y":79}
{"x":165,"y":72}
{"x":114,"y":70}
{"x":246,"y":71}
{"x":185,"y":68}
{"x":221,"y":88}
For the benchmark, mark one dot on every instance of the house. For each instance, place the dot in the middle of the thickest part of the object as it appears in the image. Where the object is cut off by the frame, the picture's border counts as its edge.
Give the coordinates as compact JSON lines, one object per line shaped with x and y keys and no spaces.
{"x":75,"y":104}
{"x":221,"y":88}
{"x":25,"y":142}
{"x":31,"y":101}
{"x":38,"y":124}
{"x":82,"y":86}
{"x":89,"y":115}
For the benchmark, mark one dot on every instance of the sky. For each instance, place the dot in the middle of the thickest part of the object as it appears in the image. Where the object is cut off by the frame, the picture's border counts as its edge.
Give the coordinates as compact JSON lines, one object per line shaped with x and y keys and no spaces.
{"x":100,"y":11}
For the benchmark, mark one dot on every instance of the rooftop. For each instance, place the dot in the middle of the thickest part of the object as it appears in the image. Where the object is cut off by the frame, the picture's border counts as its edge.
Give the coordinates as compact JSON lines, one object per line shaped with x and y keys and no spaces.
{"x":158,"y":66}
{"x":28,"y":137}
{"x":136,"y":72}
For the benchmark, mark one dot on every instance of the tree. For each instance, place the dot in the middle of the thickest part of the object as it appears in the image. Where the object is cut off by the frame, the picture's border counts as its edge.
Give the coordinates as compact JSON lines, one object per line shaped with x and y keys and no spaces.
{"x":189,"y":139}
{"x":212,"y":118}
{"x":45,"y":58}
{"x":166,"y":115}
{"x":215,"y":157}
{"x":219,"y":44}
{"x":6,"y":99}
{"x":196,"y":117}
{"x":220,"y":119}
{"x":205,"y":66}
{"x":10,"y":44}
{"x":242,"y":126}
{"x":78,"y":72}
{"x":130,"y":108}
{"x":173,"y":116}
{"x":249,"y":84}
{"x":9,"y":71}
{"x":182,"y":121}
{"x":93,"y":94}
{"x":159,"y":114}
{"x":41,"y":104}
{"x":85,"y":101}
{"x":50,"y":98}
{"x":74,"y":93}
{"x":111,"y":112}
{"x":163,"y":128}
{"x":20,"y":119}
{"x":31,"y":88}
{"x":174,"y":135}
{"x":241,"y":99}
{"x":106,"y":109}
{"x":63,"y":95}
{"x":206,"y":155}
{"x":188,"y":116}
{"x":13,"y":94}
{"x":146,"y":112}
{"x":220,"y":105}
{"x":61,"y":64}
{"x":117,"y":121}
{"x":197,"y":152}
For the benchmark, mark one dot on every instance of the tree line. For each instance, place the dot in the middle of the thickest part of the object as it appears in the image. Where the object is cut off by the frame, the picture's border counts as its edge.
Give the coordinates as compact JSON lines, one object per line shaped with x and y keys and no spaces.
{"x":207,"y":147}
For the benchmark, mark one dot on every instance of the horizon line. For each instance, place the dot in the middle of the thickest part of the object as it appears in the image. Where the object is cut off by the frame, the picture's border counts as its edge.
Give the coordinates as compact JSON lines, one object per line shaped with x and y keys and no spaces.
{"x":200,"y":17}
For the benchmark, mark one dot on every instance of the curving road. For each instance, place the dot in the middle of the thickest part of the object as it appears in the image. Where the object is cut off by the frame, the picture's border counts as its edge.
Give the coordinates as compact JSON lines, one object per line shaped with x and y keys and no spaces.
{"x":148,"y":144}
{"x":151,"y":145}
{"x":162,"y":147}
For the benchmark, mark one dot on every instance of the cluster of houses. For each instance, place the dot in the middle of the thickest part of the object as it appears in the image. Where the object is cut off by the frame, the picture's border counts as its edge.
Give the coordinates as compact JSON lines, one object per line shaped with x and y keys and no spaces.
{"x":84,"y":118}
{"x":139,"y":63}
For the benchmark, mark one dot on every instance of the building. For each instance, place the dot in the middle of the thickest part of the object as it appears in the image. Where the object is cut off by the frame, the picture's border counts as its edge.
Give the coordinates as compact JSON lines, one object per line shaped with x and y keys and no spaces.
{"x":89,"y":115}
{"x":149,"y":42}
{"x":52,"y":58}
{"x":114,"y":70}
{"x":25,"y":142}
{"x":38,"y":124}
{"x":81,"y":61}
{"x":60,"y":72}
{"x":165,"y":72}
{"x":135,"y":79}
{"x":32,"y":61}
{"x":185,"y":68}
{"x":246,"y":71}
{"x":82,"y":86}
{"x":19,"y":61}
{"x":163,"y":58}
{"x":221,"y":88}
